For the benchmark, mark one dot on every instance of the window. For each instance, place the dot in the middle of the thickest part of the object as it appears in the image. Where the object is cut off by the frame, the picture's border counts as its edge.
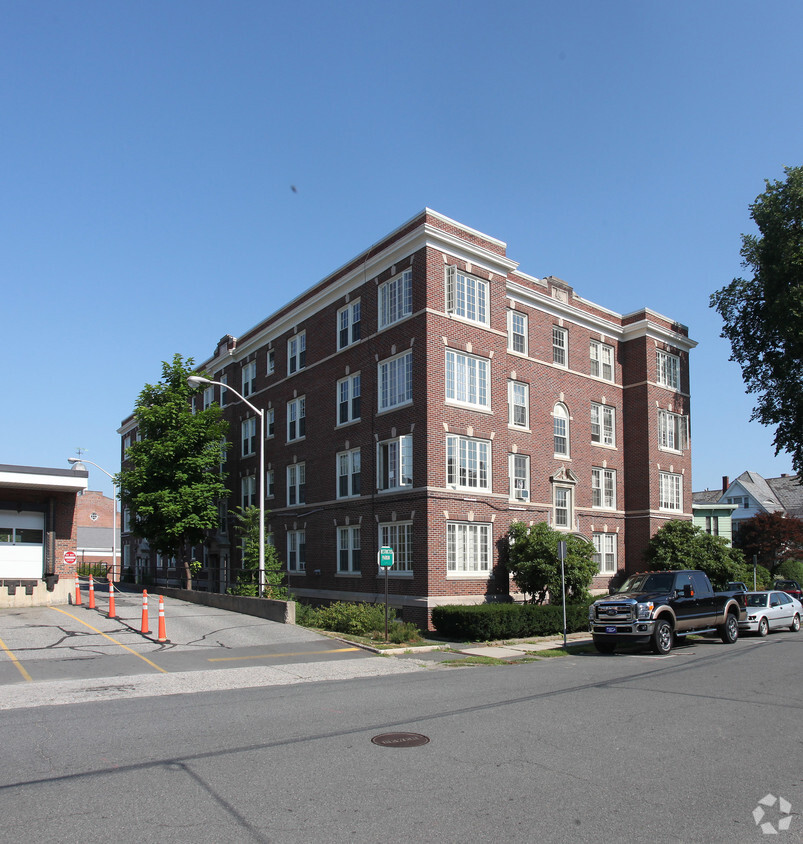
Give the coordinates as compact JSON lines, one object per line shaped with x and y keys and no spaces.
{"x":468,"y":463}
{"x":296,"y":352}
{"x":348,"y":399}
{"x":518,"y":397}
{"x":248,"y":491}
{"x":560,"y":422}
{"x":668,"y":370}
{"x":348,"y":549}
{"x":209,"y":397}
{"x":396,"y":299}
{"x":399,"y":537}
{"x":467,"y":379}
{"x":603,"y":427}
{"x":564,"y":516}
{"x":296,"y":484}
{"x":605,"y":552}
{"x":519,"y":474}
{"x":517,"y":332}
{"x":468,"y":548}
{"x":270,"y":483}
{"x":224,"y":379}
{"x":395,"y":463}
{"x":670,"y":491}
{"x":712,"y":525}
{"x":348,"y":473}
{"x":396,"y":381}
{"x":249,"y":435}
{"x":348,"y":325}
{"x":296,"y":550}
{"x":673,"y":431}
{"x":601,"y":361}
{"x":271,"y":361}
{"x":466,"y":296}
{"x":270,"y":422}
{"x":559,"y":343}
{"x":603,"y":488}
{"x":249,"y":377}
{"x":296,"y":418}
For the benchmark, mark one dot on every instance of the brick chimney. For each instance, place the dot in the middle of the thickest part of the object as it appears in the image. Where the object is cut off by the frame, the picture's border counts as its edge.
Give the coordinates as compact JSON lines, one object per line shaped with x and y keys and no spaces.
{"x":726,"y":482}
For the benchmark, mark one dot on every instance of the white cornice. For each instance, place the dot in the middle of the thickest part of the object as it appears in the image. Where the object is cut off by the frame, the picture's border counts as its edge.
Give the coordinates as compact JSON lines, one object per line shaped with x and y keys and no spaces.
{"x":645,"y":328}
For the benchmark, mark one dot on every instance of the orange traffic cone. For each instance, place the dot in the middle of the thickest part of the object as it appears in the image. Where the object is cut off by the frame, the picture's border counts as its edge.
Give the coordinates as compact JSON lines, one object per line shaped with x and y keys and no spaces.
{"x":91,"y":593}
{"x":112,"y":612}
{"x":77,"y":591}
{"x":145,"y":628}
{"x":161,"y":636}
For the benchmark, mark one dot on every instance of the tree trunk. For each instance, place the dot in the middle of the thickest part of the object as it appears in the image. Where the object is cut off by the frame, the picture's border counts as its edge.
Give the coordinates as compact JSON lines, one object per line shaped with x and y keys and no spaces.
{"x":187,"y":570}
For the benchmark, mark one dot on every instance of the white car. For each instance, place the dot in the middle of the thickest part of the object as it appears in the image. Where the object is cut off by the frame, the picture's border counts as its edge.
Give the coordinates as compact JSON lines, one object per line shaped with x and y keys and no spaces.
{"x":771,"y":610}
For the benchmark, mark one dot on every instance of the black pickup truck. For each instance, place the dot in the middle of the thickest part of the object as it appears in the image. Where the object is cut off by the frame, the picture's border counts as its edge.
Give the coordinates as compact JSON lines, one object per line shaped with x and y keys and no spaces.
{"x":657,"y":607}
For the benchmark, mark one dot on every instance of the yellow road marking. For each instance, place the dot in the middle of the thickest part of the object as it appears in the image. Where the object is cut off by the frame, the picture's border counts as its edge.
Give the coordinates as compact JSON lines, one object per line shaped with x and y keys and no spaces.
{"x":106,"y":635}
{"x":274,"y":656}
{"x":16,"y":662}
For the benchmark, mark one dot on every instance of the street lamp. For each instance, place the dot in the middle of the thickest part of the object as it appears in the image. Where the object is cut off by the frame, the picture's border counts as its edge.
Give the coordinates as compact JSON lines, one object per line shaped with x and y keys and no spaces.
{"x":78,"y":463}
{"x":197,"y":381}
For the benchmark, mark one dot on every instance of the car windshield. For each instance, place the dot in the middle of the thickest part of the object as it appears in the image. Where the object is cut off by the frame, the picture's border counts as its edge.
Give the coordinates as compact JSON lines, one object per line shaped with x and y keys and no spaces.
{"x":785,"y":584}
{"x":756,"y":599}
{"x":660,"y":582}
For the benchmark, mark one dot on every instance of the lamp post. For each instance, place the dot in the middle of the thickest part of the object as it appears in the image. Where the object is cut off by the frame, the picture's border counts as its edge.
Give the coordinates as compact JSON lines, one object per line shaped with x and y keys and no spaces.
{"x":197,"y":381}
{"x":78,"y":463}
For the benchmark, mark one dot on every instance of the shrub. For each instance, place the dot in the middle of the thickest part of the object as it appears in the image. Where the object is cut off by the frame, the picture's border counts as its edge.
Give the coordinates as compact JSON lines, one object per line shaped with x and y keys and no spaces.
{"x":791,"y":570}
{"x":484,"y":622}
{"x":341,"y":617}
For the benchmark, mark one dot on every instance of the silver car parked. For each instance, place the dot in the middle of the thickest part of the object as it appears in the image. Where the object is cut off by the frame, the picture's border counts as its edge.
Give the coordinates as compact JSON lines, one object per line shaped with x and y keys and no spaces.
{"x":771,"y":610}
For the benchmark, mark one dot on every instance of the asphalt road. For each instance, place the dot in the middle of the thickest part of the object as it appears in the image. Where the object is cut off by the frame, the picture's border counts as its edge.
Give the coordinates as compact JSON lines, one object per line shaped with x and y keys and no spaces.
{"x":624,"y":748}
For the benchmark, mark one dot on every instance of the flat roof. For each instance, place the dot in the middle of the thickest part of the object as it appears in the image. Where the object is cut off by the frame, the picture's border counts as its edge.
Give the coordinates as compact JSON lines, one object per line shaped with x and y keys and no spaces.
{"x":46,"y":480}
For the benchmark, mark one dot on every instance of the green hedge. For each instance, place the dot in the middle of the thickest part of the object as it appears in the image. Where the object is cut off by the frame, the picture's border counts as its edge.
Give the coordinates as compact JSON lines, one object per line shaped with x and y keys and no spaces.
{"x":484,"y":622}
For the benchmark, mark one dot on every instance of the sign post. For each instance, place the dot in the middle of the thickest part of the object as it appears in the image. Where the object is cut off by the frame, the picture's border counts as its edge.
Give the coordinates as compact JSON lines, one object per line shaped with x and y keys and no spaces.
{"x":562,"y":556}
{"x":386,"y":561}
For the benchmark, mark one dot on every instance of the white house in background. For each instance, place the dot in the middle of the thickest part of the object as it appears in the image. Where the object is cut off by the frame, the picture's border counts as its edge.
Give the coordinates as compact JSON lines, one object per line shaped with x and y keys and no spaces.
{"x":752,"y":494}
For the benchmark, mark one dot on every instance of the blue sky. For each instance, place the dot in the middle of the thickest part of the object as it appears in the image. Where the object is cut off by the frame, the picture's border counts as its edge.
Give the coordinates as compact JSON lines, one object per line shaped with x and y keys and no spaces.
{"x":149,"y":150}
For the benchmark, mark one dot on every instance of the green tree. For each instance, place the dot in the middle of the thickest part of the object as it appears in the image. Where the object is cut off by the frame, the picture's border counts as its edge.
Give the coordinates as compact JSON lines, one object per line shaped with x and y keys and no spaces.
{"x":683,"y":545}
{"x":763,"y":316}
{"x":532,"y":558}
{"x":171,"y":481}
{"x":247,"y":528}
{"x":772,"y":537}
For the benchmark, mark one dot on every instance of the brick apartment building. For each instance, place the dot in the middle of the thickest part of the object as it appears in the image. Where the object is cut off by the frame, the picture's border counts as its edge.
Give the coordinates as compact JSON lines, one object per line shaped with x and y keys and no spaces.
{"x":429,"y":393}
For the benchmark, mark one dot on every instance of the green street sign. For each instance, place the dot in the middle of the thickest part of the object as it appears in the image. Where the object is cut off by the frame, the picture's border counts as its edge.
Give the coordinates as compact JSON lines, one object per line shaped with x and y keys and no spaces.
{"x":386,"y":556}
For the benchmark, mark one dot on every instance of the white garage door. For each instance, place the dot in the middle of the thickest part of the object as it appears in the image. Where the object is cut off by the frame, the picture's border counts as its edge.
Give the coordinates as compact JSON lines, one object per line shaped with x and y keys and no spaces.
{"x":22,"y":545}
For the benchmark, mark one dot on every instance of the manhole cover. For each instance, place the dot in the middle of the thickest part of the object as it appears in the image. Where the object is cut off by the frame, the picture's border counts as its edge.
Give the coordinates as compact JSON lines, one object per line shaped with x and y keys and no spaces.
{"x":400,"y":740}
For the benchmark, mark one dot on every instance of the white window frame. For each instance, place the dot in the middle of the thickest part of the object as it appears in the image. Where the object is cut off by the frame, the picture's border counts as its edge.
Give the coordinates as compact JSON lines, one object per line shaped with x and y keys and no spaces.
{"x":603,"y":424}
{"x":297,"y":419}
{"x":296,"y":484}
{"x":270,"y":361}
{"x":249,"y":378}
{"x":297,"y":352}
{"x":395,"y":381}
{"x":395,"y":299}
{"x":670,"y":492}
{"x":296,"y":551}
{"x":605,"y":552}
{"x":348,"y":399}
{"x":248,"y":436}
{"x":399,"y":537}
{"x":224,"y":380}
{"x":348,"y":550}
{"x":270,"y":483}
{"x":518,"y":470}
{"x":468,"y":380}
{"x":468,"y":549}
{"x":667,"y":369}
{"x":394,"y":463}
{"x":518,"y":402}
{"x":270,"y":423}
{"x":517,"y":333}
{"x":348,"y":467}
{"x":209,"y":397}
{"x":349,"y":324}
{"x":248,"y":491}
{"x":603,"y":488}
{"x":467,"y":296}
{"x":562,"y":502}
{"x":561,"y":429}
{"x":673,"y":431}
{"x":560,"y":347}
{"x":602,"y":359}
{"x":468,"y":463}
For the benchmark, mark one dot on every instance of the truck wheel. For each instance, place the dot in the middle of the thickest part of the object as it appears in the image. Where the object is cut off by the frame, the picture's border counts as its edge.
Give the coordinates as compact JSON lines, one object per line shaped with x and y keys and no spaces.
{"x":795,"y":625}
{"x":763,"y":627}
{"x":662,"y":637}
{"x":604,"y":647}
{"x":729,"y":632}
